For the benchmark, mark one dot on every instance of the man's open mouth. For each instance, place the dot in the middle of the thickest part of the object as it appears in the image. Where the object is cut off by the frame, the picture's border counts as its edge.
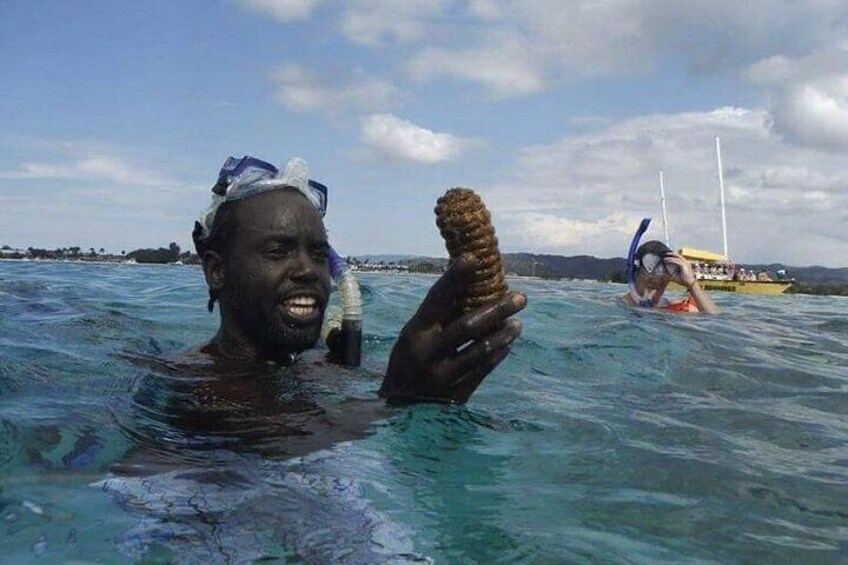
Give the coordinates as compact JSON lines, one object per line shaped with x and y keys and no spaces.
{"x":303,"y":309}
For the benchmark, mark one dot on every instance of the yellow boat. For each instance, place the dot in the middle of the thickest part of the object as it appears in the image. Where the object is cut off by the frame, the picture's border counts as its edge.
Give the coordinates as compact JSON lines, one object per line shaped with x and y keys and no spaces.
{"x":711,"y":258}
{"x":720,"y":285}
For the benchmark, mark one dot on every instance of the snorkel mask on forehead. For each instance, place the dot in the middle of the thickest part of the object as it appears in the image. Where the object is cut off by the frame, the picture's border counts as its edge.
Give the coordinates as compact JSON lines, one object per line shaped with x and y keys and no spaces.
{"x":247,"y":176}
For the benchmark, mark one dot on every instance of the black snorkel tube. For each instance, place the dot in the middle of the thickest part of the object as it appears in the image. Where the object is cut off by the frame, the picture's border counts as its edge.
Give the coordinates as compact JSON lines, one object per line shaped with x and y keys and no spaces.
{"x":632,"y":267}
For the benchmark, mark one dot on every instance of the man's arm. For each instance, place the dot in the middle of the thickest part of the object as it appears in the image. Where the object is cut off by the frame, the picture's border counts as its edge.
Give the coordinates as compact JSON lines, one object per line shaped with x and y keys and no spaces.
{"x":442,"y":356}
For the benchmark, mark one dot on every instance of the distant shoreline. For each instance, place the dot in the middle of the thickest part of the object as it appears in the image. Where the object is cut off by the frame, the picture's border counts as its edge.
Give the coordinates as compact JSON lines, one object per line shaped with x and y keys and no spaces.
{"x":95,"y":262}
{"x":807,"y":280}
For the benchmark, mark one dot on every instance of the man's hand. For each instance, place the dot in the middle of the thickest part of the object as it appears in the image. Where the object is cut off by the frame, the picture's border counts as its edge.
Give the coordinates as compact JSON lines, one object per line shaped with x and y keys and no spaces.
{"x":443,"y":356}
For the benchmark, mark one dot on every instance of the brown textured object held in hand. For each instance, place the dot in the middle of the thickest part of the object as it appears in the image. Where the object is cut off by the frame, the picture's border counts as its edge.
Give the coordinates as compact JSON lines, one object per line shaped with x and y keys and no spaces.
{"x":466,"y":226}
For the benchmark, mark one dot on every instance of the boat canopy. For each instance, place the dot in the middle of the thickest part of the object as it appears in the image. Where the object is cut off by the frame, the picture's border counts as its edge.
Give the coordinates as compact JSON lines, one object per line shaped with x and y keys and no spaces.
{"x":700,"y":255}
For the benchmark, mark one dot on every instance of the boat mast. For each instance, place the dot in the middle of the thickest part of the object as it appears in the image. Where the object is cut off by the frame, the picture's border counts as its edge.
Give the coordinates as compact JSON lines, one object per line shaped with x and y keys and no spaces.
{"x":665,"y":215}
{"x":721,"y":192}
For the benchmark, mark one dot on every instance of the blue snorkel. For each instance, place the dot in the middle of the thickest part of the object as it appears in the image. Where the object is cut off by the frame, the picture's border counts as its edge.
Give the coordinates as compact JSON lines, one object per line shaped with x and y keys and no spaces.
{"x":632,"y":267}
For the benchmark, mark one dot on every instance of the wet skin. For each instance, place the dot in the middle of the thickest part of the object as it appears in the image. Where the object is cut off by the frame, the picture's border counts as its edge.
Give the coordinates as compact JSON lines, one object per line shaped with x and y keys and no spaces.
{"x":442,"y":356}
{"x":278,"y":260}
{"x":277,"y":412}
{"x":273,"y":283}
{"x":678,"y":270}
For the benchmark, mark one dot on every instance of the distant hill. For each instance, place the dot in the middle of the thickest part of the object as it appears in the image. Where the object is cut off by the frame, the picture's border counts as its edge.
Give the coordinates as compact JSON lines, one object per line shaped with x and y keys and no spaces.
{"x":388,"y":258}
{"x":559,"y":267}
{"x":612,"y":269}
{"x":815,"y":274}
{"x":527,"y":264}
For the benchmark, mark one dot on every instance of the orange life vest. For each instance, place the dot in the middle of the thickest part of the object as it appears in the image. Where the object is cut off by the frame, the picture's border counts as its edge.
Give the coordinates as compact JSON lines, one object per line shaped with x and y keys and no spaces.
{"x":687,"y":304}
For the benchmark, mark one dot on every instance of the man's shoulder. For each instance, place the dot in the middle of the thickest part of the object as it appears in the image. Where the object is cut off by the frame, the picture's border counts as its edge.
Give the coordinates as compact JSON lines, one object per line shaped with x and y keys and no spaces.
{"x":200,"y":358}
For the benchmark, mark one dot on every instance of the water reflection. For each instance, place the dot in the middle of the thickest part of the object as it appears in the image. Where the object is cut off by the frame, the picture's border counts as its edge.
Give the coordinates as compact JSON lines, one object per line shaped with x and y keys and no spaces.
{"x":181,"y":412}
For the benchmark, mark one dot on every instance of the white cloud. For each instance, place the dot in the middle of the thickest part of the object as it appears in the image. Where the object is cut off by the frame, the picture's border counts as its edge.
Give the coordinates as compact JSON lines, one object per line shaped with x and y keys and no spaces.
{"x":533,"y":42}
{"x":374,"y":22}
{"x":96,"y":196}
{"x":774,"y":69}
{"x":818,"y":112}
{"x":302,"y":90}
{"x":506,"y":66}
{"x":811,"y":96}
{"x":401,"y":139}
{"x":521,"y":47}
{"x":117,"y":170}
{"x":283,"y":10}
{"x":588,"y":37}
{"x":549,"y":232}
{"x":586,"y":192}
{"x":795,"y":51}
{"x":90,"y":167}
{"x":487,"y":9}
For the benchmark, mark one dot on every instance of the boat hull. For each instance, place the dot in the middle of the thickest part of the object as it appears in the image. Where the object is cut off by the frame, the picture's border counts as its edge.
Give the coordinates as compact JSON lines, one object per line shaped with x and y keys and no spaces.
{"x":743,"y":287}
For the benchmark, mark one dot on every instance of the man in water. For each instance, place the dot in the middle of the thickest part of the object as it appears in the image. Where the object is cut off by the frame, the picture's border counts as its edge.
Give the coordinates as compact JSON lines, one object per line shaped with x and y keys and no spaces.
{"x":654,"y":266}
{"x":265,"y":256}
{"x":201,"y":415}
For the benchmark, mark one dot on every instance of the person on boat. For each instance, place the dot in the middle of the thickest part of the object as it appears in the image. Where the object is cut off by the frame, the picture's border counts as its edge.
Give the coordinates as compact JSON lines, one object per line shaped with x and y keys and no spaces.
{"x":696,"y":269}
{"x":651,"y":267}
{"x":266,"y":259}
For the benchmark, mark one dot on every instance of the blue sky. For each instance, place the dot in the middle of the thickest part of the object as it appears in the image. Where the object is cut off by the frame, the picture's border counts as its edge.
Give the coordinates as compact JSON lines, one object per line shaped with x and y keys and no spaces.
{"x":116,"y":117}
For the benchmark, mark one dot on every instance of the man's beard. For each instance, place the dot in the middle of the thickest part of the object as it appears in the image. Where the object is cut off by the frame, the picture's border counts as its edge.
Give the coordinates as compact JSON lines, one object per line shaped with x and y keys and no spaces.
{"x":264,"y":325}
{"x":290,"y":338}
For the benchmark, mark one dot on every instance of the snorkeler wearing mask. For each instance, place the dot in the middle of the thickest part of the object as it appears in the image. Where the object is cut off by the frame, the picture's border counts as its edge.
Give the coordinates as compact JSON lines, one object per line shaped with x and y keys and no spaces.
{"x":268,"y":264}
{"x":651,"y":267}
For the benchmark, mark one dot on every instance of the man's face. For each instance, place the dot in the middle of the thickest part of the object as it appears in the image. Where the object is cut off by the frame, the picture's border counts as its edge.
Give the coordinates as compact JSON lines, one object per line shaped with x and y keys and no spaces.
{"x":276,"y":273}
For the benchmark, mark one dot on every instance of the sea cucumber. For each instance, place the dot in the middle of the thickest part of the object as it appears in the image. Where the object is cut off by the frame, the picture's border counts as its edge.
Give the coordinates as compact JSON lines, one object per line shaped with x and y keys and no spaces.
{"x":466,"y":227}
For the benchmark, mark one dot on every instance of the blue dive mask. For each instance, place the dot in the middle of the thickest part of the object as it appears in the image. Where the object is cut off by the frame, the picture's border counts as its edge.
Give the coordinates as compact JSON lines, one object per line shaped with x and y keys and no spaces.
{"x":656,"y":265}
{"x":247,"y":176}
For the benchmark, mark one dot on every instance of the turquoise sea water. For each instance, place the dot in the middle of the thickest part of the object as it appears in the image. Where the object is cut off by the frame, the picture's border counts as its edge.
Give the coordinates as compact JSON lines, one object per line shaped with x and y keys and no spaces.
{"x":608,"y":435}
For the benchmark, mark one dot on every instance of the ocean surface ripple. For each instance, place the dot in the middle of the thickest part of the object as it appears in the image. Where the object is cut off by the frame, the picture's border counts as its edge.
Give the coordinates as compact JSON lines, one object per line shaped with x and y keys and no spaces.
{"x":609,"y":435}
